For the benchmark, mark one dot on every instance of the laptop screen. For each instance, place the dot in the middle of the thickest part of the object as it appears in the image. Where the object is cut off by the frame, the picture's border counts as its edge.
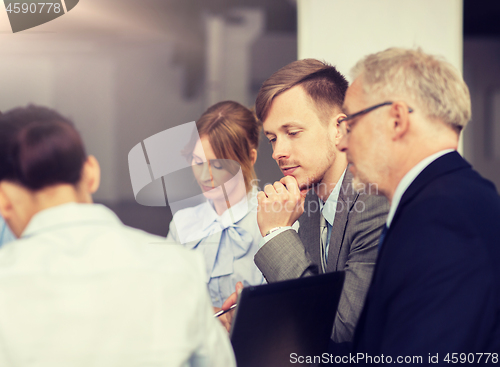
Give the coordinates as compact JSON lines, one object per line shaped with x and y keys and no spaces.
{"x":274,"y":321}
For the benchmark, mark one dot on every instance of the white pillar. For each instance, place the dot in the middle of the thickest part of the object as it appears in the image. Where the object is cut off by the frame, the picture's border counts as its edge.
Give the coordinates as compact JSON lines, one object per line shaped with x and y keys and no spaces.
{"x":229,"y":42}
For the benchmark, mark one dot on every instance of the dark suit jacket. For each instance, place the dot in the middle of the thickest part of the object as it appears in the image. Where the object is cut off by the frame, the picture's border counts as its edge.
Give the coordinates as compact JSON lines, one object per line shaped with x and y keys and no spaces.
{"x":436,"y":286}
{"x":353,"y":248}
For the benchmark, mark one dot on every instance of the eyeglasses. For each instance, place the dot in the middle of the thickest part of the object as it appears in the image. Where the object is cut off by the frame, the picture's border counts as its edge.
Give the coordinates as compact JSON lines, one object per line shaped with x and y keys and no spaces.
{"x":347,"y":129}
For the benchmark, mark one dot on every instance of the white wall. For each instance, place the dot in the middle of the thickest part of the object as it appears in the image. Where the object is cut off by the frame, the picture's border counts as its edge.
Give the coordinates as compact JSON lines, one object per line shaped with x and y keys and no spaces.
{"x":228,"y":54}
{"x":343,"y":31}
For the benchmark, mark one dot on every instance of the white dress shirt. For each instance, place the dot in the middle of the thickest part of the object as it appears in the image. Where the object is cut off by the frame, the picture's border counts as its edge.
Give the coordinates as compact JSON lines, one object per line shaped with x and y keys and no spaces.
{"x":228,"y":243}
{"x":81,"y":289}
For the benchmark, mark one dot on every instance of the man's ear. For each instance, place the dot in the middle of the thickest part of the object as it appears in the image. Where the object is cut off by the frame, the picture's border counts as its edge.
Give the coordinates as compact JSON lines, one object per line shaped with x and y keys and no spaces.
{"x":400,"y":119}
{"x":91,"y":175}
{"x":338,"y":133}
{"x":253,"y":156}
{"x":15,"y":207}
{"x":6,"y":208}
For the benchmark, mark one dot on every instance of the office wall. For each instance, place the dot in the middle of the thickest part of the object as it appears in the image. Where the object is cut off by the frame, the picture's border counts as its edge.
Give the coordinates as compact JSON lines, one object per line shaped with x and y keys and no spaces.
{"x":343,"y":31}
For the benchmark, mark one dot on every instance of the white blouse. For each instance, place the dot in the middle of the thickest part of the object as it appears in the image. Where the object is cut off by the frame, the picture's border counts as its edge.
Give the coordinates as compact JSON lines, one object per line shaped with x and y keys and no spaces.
{"x":228,"y":242}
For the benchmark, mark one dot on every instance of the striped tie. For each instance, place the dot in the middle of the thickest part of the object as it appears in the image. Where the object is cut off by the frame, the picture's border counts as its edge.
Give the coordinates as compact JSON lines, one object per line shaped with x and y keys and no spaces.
{"x":323,"y":241}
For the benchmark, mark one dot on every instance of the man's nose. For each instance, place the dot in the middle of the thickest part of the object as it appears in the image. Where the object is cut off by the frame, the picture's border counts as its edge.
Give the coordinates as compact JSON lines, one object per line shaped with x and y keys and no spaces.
{"x":206,"y":172}
{"x":343,"y":144}
{"x":281,"y":150}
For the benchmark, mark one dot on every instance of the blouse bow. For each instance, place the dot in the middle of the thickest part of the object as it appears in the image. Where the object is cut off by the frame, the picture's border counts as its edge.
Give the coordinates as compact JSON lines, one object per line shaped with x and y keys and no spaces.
{"x":221,"y":239}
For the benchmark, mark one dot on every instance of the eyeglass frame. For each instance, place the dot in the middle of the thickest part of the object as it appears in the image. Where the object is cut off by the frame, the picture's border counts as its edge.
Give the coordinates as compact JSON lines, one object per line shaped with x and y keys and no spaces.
{"x":365,"y":111}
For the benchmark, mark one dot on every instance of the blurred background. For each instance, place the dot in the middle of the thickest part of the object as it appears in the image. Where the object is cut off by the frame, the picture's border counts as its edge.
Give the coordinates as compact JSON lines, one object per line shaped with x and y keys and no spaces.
{"x":124,"y":70}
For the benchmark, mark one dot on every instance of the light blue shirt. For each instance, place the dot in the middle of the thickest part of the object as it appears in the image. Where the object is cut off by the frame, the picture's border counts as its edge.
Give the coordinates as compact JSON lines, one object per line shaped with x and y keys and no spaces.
{"x":228,"y":243}
{"x":5,"y":233}
{"x":329,"y":208}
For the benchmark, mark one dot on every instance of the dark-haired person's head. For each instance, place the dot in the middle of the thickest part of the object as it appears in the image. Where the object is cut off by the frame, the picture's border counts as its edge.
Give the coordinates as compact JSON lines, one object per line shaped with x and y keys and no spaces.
{"x":299,"y":107}
{"x":42,"y":164}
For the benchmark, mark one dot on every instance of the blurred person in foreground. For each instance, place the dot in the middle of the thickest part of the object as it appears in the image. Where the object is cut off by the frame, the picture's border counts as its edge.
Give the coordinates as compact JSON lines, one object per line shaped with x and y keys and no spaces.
{"x":224,"y":227}
{"x":5,"y":234}
{"x":436,"y":286}
{"x":79,"y":288}
{"x":333,"y":227}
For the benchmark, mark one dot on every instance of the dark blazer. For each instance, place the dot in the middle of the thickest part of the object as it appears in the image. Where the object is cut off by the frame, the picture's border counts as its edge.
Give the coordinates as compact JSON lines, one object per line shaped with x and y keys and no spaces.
{"x":436,"y":286}
{"x":353,"y":248}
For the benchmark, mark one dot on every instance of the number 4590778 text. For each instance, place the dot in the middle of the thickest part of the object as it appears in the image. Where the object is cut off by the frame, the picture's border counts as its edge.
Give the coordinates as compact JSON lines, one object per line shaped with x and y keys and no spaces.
{"x":33,"y":8}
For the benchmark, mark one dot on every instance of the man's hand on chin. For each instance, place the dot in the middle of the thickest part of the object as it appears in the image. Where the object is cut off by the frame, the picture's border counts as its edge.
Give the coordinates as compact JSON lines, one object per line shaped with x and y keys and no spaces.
{"x":280,"y":204}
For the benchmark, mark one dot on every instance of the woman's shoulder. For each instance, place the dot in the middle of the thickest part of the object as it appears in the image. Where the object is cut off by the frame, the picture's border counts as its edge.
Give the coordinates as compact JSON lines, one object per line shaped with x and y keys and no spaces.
{"x":193,"y":212}
{"x":192,"y":218}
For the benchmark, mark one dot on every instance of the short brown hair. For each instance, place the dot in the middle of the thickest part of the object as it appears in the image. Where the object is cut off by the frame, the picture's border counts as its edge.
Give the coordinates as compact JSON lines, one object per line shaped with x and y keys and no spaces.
{"x":233,"y":131}
{"x":321,"y":81}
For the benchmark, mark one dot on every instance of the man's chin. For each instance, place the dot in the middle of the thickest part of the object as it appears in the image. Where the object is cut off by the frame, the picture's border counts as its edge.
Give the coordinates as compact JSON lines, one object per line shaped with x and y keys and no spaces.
{"x":358,"y":185}
{"x":305,"y":186}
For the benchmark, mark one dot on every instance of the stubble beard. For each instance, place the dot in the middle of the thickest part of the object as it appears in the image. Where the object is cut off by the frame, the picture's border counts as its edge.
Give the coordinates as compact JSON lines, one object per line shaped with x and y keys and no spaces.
{"x":317,"y":177}
{"x":369,"y":178}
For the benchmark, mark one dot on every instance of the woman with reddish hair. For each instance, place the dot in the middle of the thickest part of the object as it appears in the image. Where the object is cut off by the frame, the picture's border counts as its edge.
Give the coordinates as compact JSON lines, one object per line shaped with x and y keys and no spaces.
{"x":223,"y":228}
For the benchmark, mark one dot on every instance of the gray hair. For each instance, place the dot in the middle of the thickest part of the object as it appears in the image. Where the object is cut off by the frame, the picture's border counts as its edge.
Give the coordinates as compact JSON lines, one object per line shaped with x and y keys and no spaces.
{"x":430,"y":81}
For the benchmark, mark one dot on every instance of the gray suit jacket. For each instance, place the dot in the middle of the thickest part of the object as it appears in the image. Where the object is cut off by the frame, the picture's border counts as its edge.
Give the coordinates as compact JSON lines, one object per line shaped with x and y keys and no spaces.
{"x":353,"y":247}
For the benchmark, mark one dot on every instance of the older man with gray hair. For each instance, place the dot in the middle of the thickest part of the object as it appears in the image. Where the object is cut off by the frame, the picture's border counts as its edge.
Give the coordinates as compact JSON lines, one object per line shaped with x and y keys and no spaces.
{"x":435,"y":293}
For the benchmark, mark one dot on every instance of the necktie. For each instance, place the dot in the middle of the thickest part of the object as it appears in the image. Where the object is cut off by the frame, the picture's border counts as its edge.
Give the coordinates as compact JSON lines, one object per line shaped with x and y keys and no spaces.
{"x":382,"y":236}
{"x":323,"y":235}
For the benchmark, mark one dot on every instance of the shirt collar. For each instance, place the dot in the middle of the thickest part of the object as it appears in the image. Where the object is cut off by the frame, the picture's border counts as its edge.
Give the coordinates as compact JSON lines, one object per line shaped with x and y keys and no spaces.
{"x":195,"y":223}
{"x":329,"y":208}
{"x":238,"y":211}
{"x":67,"y":215}
{"x":410,"y":176}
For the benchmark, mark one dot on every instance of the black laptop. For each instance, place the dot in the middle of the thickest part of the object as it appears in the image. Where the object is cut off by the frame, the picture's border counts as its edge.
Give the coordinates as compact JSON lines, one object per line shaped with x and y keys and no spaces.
{"x":276,"y":323}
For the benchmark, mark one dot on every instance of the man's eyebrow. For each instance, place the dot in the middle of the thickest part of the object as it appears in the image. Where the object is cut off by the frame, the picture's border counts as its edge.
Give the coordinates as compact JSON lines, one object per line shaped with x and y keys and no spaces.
{"x":286,"y":126}
{"x":289,"y":125}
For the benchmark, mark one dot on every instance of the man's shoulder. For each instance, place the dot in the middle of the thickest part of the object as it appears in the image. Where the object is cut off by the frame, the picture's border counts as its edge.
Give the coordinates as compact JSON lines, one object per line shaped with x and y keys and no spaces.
{"x":454,"y":213}
{"x":458,"y":191}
